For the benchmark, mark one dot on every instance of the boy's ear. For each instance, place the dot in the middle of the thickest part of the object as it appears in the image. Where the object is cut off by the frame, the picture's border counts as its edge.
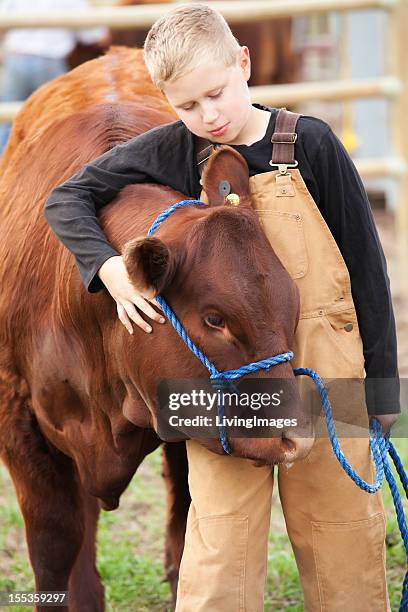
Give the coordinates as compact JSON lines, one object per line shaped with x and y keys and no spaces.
{"x":244,"y":60}
{"x":149,"y":264}
{"x":225,"y":173}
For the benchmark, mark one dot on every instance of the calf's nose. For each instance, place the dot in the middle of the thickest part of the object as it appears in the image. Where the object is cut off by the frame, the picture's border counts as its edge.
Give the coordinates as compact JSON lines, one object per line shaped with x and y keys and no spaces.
{"x":297,"y":443}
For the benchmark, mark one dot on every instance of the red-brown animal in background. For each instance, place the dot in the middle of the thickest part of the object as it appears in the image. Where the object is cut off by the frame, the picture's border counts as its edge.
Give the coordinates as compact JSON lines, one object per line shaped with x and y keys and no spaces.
{"x":273,"y":57}
{"x":78,"y":403}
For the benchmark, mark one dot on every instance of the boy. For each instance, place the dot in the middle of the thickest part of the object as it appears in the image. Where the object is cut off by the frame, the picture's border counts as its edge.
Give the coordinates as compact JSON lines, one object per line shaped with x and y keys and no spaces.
{"x":193,"y":57}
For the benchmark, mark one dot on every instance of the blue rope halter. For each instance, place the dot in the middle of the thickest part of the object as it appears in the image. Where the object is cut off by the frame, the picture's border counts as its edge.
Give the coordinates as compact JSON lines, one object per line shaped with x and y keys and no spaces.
{"x":380,"y":445}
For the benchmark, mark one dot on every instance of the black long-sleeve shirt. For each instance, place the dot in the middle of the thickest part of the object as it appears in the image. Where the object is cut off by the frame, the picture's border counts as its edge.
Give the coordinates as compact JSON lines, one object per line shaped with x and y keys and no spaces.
{"x":166,"y":155}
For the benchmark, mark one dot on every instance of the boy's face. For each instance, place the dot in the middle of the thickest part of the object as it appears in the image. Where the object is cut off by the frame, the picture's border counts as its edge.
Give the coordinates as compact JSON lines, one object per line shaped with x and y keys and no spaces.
{"x":212,"y":97}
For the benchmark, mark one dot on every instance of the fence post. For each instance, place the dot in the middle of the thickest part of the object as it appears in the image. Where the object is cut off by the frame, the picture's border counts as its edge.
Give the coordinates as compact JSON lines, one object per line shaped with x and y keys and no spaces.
{"x":398,"y":55}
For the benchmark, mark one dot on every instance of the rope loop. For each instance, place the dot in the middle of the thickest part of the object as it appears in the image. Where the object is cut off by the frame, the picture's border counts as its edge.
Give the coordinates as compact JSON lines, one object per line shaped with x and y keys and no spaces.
{"x":375,"y":437}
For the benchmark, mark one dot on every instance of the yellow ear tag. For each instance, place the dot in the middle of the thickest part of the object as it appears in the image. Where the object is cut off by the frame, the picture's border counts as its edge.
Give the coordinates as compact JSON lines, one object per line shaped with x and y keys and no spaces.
{"x":233,"y":198}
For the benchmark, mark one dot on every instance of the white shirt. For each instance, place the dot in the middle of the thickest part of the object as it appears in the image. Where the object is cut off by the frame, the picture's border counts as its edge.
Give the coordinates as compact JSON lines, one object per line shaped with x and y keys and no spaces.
{"x":46,"y":42}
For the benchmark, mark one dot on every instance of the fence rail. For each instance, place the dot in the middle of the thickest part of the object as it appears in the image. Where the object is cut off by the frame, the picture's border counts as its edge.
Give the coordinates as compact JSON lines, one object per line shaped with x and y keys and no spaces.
{"x":239,"y":11}
{"x":294,"y":93}
{"x":245,"y":11}
{"x":395,"y":167}
{"x":8,"y":110}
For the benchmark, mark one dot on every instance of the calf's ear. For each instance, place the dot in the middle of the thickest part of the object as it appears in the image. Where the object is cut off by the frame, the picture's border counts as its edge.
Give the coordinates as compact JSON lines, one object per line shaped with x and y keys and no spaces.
{"x":225,"y":173}
{"x":149,"y":264}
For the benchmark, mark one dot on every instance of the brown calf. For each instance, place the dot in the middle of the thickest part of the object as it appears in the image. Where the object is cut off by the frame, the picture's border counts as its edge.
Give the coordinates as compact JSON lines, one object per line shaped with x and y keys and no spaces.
{"x":78,"y":400}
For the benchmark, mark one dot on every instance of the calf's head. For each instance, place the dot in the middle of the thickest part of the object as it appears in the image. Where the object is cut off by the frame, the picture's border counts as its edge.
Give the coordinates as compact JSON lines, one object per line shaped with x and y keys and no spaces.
{"x":217,"y":270}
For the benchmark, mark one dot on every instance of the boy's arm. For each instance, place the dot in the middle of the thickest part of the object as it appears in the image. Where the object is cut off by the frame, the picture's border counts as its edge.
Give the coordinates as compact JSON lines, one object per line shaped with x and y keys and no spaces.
{"x":71,"y":209}
{"x":344,"y":204}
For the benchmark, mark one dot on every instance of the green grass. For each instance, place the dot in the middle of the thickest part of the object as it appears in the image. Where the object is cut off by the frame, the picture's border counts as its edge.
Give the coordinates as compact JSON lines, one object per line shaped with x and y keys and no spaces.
{"x":130,"y":548}
{"x":396,"y":566}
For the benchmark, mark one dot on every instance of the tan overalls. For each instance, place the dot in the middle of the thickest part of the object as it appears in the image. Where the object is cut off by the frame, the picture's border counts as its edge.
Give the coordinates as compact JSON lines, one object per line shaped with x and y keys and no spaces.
{"x":337,"y":530}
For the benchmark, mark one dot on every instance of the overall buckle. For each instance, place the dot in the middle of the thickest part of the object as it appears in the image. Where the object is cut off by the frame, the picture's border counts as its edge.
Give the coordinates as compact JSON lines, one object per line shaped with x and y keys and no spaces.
{"x":283,"y":168}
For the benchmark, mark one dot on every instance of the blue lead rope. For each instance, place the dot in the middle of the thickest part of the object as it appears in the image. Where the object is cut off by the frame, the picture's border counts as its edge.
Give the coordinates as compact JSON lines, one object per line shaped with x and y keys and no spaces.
{"x":375,"y":437}
{"x":380,"y":446}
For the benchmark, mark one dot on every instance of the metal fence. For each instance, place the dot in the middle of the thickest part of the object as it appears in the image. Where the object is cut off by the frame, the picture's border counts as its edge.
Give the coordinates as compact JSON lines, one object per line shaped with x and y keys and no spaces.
{"x":393,"y":86}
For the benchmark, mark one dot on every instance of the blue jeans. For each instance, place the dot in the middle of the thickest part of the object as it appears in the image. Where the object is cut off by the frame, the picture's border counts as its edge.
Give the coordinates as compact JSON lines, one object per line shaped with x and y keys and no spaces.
{"x":22,"y":75}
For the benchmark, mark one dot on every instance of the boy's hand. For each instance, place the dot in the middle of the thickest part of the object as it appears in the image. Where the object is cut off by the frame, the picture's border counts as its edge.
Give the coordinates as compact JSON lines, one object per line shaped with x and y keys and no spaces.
{"x":114,"y":276}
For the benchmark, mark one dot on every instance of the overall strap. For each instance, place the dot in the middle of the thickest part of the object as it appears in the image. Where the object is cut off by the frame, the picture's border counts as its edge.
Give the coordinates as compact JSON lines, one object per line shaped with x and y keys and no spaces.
{"x":284,"y":138}
{"x":283,"y":142}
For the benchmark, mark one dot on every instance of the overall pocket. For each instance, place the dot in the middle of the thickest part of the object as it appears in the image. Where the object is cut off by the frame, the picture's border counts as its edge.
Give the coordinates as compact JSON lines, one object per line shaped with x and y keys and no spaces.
{"x":285,"y":232}
{"x":342,"y":329}
{"x":323,"y":344}
{"x":350,"y":565}
{"x":214,"y":564}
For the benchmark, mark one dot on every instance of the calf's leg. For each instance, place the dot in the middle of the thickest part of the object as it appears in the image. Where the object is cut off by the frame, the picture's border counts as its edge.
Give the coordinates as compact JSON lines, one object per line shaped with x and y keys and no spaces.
{"x":85,"y":586}
{"x":59,"y":520}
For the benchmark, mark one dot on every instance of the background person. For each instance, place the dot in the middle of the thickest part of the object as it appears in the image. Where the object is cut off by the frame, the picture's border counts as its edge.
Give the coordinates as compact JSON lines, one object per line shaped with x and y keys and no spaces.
{"x":33,"y":56}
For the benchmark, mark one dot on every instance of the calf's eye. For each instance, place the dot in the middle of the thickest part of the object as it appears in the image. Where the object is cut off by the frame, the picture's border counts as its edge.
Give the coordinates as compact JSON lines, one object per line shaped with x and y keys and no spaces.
{"x":214,"y":321}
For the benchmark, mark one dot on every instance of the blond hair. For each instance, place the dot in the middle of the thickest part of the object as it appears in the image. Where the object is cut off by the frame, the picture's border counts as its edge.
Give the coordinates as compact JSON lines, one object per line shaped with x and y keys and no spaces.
{"x":185,"y":38}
